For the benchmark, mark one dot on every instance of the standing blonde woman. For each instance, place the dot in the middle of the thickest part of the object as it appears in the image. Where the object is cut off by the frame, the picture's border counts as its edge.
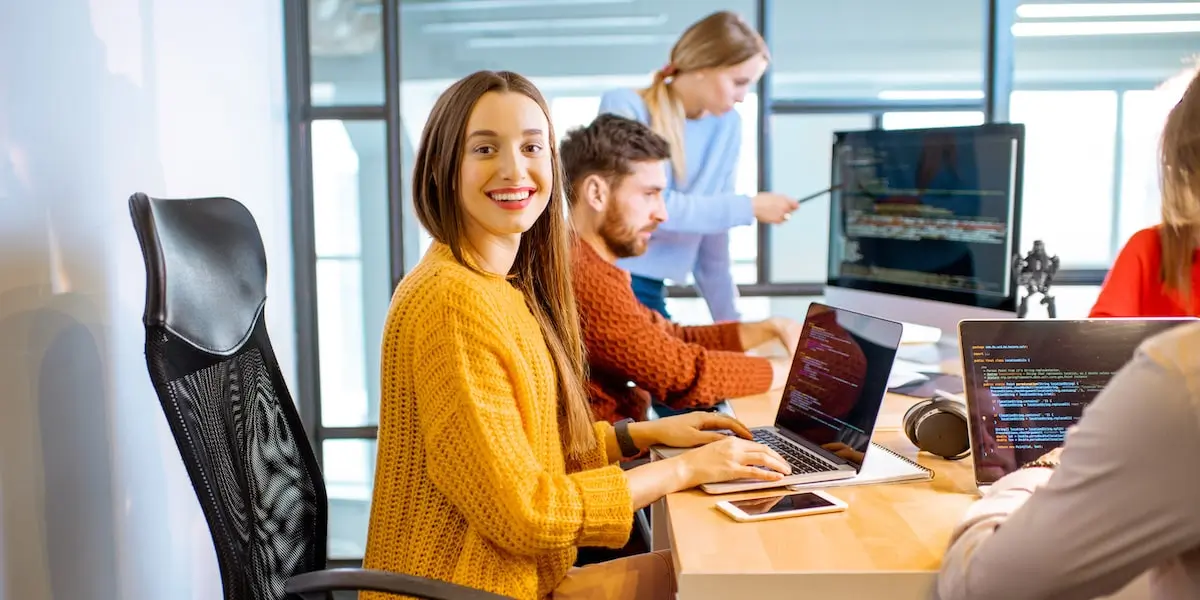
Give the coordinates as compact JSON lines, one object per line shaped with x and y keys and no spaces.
{"x":691,"y":103}
{"x":490,"y":471}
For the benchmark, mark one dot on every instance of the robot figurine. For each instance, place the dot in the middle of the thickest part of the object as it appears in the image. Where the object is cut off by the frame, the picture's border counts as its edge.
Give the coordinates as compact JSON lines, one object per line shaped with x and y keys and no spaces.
{"x":1035,"y":272}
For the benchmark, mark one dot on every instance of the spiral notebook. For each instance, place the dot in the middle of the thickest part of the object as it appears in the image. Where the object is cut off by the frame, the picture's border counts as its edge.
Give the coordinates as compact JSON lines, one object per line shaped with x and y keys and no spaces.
{"x":882,"y":465}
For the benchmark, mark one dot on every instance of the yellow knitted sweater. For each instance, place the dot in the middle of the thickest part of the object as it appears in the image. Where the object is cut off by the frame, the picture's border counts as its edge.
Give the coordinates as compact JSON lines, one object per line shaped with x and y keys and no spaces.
{"x":471,"y":483}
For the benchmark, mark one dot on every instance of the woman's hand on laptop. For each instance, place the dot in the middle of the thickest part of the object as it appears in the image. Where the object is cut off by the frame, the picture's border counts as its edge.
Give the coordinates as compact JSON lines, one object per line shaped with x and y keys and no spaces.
{"x":687,"y":430}
{"x":729,"y":459}
{"x":721,"y":457}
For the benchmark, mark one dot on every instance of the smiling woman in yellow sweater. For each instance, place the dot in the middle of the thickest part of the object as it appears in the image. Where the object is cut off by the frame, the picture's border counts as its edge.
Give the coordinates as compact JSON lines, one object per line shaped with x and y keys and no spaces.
{"x":490,"y":472}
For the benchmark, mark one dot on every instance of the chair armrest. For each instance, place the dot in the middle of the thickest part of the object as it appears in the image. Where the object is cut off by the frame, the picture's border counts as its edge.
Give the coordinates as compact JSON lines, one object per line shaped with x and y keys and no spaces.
{"x":317,"y":585}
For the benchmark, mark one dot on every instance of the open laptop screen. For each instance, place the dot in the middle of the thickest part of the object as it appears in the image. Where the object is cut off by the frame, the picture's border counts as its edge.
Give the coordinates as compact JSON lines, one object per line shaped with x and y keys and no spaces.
{"x":1026,"y":382}
{"x":838,"y":379}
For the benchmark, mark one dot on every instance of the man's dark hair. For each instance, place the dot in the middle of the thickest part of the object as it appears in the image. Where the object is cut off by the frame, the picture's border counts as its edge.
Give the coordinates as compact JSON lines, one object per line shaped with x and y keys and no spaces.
{"x":606,"y":147}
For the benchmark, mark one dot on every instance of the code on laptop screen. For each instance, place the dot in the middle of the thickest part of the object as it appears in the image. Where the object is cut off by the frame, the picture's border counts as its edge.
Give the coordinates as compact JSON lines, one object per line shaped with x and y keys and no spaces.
{"x":1028,"y":381}
{"x":838,"y":379}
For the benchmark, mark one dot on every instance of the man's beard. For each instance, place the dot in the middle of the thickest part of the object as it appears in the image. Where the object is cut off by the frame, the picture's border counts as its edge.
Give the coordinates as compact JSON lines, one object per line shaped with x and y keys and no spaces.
{"x":622,"y":241}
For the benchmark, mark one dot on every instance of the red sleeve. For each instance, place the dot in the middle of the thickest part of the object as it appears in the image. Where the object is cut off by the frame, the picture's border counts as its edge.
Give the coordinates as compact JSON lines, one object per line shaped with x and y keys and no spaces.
{"x":1120,"y":296}
{"x":720,"y":336}
{"x":623,"y":337}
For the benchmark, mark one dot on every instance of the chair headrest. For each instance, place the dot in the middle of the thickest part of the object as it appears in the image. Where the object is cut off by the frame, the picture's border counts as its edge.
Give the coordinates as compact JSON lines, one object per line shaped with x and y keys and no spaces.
{"x":206,"y":269}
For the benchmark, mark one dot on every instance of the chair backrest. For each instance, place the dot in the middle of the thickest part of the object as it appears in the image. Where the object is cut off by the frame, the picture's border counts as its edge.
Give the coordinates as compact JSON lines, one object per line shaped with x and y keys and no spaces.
{"x":222,"y":392}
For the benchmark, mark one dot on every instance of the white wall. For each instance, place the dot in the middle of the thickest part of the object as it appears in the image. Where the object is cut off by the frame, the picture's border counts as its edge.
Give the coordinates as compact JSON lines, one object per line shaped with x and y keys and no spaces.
{"x":99,"y":99}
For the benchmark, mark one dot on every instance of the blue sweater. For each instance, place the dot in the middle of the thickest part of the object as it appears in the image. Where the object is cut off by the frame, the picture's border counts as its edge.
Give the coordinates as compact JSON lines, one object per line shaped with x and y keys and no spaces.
{"x":695,"y":237}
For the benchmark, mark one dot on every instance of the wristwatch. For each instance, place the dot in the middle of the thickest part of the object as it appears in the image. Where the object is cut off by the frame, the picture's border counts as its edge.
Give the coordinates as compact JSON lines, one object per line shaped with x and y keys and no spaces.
{"x":1041,"y":462}
{"x":624,"y":440}
{"x":1048,"y":460}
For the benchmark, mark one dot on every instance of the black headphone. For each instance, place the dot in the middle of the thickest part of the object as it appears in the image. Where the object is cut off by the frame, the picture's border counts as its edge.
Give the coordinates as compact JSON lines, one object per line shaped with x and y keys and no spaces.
{"x":939,"y":426}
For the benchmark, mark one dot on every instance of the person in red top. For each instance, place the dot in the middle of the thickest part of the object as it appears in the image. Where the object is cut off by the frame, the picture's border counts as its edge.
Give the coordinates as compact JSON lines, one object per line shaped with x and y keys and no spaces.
{"x":1138,"y":283}
{"x":615,"y":177}
{"x":1155,"y":273}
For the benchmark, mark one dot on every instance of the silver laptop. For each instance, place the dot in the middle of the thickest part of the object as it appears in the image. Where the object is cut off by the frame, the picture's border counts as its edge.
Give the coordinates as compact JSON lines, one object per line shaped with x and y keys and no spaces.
{"x":831,"y":401}
{"x":1026,"y":381}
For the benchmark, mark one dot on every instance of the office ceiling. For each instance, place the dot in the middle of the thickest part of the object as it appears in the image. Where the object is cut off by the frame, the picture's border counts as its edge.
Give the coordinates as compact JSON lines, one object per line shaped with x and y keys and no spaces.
{"x":820,"y":47}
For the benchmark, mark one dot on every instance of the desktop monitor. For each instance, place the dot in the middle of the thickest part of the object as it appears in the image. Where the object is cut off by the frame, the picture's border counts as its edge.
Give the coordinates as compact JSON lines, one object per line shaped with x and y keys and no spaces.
{"x":924,"y":224}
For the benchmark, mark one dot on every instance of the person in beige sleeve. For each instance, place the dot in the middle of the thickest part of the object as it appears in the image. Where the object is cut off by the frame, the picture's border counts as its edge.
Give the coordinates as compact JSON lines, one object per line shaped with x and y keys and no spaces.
{"x":1122,"y":496}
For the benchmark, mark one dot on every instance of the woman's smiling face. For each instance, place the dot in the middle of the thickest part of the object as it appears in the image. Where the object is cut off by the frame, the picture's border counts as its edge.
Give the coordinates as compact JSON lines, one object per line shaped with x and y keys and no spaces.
{"x":507,"y":174}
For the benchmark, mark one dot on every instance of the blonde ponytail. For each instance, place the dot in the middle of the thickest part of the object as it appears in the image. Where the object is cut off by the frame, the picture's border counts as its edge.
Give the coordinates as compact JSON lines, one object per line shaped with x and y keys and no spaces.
{"x":722,"y":39}
{"x":667,"y":119}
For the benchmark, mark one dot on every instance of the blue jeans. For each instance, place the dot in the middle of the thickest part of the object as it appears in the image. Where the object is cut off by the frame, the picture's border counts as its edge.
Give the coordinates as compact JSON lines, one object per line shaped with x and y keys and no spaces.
{"x":652,"y":293}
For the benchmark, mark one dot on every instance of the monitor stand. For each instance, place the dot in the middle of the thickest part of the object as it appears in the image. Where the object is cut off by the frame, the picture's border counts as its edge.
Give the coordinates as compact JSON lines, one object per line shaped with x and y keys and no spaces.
{"x":920,"y":352}
{"x":914,"y":334}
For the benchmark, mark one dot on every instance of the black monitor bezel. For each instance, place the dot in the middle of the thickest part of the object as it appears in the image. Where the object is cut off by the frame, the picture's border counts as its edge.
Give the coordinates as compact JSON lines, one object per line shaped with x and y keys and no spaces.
{"x":1015,"y":131}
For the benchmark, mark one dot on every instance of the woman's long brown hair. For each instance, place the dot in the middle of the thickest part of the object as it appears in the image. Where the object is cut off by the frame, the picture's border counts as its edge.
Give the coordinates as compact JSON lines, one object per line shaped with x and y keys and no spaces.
{"x":542,"y":270}
{"x":1179,"y":175}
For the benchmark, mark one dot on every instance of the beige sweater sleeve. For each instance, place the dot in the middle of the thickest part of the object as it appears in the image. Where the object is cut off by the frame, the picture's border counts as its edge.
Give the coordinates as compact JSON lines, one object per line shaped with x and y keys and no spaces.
{"x":1125,"y":498}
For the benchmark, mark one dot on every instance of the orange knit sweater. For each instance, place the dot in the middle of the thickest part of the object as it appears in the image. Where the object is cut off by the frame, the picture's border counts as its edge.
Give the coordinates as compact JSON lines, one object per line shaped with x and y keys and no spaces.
{"x":471,"y":483}
{"x":682,"y":367}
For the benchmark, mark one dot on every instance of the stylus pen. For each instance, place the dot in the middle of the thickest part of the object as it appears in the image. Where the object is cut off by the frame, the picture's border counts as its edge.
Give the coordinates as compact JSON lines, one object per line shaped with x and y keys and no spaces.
{"x":815,"y":195}
{"x":947,"y":395}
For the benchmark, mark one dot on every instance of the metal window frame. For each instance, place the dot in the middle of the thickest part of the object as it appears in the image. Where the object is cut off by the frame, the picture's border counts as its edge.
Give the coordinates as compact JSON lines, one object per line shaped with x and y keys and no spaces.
{"x":391,"y":99}
{"x":999,"y":17}
{"x":304,"y":264}
{"x":301,"y":114}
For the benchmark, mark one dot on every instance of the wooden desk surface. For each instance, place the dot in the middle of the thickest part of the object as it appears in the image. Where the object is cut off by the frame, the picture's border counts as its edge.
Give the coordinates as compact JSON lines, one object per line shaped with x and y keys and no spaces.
{"x":898,"y":530}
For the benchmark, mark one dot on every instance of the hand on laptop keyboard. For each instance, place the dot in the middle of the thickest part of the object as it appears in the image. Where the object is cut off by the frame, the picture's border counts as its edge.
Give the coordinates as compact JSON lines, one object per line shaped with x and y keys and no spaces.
{"x":800,"y":461}
{"x":730,"y":459}
{"x":690,"y":429}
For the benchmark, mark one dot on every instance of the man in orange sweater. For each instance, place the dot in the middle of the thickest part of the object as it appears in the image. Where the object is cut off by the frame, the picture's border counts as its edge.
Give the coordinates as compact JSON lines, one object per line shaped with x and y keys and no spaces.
{"x":615,"y":176}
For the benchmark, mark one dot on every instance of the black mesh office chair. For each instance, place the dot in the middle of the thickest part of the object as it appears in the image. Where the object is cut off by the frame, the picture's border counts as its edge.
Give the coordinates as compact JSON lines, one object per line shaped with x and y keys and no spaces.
{"x":239,"y":434}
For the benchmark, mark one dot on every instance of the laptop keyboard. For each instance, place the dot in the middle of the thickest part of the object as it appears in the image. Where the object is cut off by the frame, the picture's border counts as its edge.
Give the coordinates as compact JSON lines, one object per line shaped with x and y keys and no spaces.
{"x":801,"y":461}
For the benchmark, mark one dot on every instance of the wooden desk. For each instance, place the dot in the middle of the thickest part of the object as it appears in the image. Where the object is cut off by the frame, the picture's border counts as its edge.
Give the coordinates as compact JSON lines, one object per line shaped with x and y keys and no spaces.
{"x":887,"y":544}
